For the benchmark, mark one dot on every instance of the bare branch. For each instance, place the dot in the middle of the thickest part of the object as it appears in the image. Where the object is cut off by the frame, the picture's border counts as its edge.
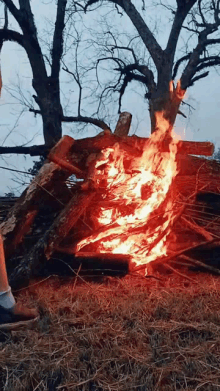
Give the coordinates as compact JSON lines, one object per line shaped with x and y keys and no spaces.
{"x":6,"y":17}
{"x":13,"y":9}
{"x":35,"y":150}
{"x":57,"y":49}
{"x":83,"y":119}
{"x":201,"y":76}
{"x":126,"y":48}
{"x":146,"y":35}
{"x":180,"y":15}
{"x":176,"y":66}
{"x":11,"y":35}
{"x":87,"y":120}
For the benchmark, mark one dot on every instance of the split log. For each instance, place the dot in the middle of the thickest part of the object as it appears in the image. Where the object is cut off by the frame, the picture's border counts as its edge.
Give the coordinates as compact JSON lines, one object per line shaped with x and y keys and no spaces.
{"x":67,"y":219}
{"x":123,"y":124}
{"x":60,"y":156}
{"x":45,"y":246}
{"x":96,"y":144}
{"x":195,"y":148}
{"x":21,"y":216}
{"x":200,"y":230}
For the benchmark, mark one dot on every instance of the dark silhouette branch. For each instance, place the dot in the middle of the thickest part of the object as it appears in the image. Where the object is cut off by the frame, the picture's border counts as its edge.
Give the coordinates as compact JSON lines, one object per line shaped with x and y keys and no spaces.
{"x":87,"y":120}
{"x":180,"y":15}
{"x":35,"y":150}
{"x":13,"y":36}
{"x":13,"y":9}
{"x":146,"y":35}
{"x":57,"y":49}
{"x":176,"y":66}
{"x":201,"y":76}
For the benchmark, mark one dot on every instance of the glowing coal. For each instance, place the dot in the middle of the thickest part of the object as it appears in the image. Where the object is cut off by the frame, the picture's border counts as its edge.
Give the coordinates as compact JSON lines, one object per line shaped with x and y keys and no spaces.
{"x":135,"y":209}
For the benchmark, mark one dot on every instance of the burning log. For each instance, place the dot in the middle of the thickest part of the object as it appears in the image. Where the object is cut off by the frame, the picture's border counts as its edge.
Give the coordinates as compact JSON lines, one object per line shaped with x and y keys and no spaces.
{"x":21,"y":216}
{"x":96,"y":144}
{"x":127,"y":199}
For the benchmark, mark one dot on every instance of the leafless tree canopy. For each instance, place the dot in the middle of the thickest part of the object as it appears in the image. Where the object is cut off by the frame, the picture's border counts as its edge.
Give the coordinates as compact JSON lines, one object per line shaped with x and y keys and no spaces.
{"x":121,"y":46}
{"x":46,"y":84}
{"x":197,"y":21}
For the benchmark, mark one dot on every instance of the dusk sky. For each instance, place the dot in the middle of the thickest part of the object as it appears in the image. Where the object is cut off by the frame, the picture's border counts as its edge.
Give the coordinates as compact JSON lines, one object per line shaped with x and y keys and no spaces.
{"x":202,"y":125}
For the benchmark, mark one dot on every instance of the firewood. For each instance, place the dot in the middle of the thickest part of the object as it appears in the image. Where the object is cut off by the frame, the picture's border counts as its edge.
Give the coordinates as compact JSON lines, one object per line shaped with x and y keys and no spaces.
{"x":96,"y":144}
{"x":18,"y":221}
{"x":66,"y":166}
{"x":67,"y":219}
{"x":60,"y":154}
{"x":195,"y":148}
{"x":198,"y":229}
{"x":45,"y":246}
{"x":201,"y":264}
{"x":123,"y":124}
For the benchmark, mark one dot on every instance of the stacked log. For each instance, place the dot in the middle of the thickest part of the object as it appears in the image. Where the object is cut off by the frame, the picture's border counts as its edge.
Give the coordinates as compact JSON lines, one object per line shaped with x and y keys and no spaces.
{"x":78,"y":158}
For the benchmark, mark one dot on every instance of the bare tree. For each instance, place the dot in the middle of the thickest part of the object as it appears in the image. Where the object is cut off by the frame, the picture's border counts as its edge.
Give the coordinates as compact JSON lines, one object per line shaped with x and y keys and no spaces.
{"x":167,"y":74}
{"x":46,"y":84}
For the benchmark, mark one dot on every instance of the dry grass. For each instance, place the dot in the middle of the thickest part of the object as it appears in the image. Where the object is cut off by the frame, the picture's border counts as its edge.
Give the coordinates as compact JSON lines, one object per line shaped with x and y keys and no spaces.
{"x":133,"y":333}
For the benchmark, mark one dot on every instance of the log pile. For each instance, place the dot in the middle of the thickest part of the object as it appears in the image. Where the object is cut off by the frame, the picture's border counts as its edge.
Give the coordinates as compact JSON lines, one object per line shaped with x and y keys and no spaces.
{"x":64,"y":194}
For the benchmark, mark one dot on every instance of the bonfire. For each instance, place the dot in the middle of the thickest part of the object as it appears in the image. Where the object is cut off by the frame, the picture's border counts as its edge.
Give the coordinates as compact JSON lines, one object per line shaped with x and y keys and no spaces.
{"x":114,"y":198}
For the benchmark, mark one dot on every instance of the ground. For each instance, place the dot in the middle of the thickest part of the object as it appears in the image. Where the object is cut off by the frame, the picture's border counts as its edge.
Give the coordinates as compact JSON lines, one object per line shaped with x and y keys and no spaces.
{"x":133,"y":333}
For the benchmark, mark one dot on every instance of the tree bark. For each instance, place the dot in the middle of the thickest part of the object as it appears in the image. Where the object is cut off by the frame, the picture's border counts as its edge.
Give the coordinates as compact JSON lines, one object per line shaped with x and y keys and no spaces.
{"x":164,"y":107}
{"x":135,"y":145}
{"x":123,"y":124}
{"x":46,"y":245}
{"x":21,"y":216}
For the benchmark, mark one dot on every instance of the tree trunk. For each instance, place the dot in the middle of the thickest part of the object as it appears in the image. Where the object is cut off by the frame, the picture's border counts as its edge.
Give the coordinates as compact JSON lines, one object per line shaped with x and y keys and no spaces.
{"x":48,"y":100}
{"x":164,"y":108}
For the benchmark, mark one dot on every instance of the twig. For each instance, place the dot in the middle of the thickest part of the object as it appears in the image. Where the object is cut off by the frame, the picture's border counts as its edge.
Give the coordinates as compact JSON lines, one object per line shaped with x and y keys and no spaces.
{"x":198,"y":229}
{"x":199,"y":263}
{"x":57,"y":259}
{"x":180,"y":274}
{"x":77,"y":274}
{"x":177,"y":254}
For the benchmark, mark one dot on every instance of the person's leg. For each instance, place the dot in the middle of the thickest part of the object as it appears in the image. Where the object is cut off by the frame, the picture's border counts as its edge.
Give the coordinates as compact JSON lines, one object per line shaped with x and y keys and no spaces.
{"x":6,"y":298}
{"x":11,"y":313}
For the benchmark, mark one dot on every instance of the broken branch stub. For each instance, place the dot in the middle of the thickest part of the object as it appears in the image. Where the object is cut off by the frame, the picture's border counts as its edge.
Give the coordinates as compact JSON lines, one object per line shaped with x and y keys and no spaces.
{"x":123,"y":124}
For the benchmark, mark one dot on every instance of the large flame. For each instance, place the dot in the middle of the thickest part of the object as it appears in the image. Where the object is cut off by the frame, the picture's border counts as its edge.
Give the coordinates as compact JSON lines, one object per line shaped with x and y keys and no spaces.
{"x":135,"y":211}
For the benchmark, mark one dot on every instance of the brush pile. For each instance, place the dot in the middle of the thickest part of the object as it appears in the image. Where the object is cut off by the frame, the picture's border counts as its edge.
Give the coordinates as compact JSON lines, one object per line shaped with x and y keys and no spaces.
{"x":58,"y":210}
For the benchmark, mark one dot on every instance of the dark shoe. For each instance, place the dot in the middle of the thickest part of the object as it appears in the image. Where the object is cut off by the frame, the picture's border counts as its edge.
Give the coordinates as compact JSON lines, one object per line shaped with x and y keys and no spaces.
{"x":17,"y":317}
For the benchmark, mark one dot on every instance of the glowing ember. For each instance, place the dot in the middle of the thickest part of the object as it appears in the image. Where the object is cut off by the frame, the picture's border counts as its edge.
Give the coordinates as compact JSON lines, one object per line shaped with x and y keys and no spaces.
{"x":135,"y":210}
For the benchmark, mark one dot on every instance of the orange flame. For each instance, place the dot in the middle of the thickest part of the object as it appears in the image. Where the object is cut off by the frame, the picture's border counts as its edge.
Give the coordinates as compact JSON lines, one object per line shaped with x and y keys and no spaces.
{"x":135,"y":213}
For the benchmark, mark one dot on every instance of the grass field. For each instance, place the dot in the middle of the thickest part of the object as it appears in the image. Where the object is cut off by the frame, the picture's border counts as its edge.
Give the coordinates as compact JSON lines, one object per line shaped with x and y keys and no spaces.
{"x":133,"y":333}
